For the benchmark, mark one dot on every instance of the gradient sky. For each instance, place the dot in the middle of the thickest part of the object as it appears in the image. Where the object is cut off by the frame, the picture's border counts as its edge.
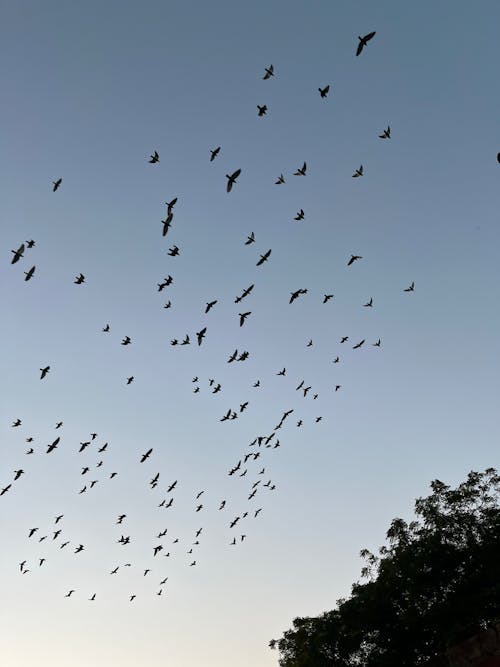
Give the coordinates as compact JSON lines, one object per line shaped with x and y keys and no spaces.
{"x":89,"y":91}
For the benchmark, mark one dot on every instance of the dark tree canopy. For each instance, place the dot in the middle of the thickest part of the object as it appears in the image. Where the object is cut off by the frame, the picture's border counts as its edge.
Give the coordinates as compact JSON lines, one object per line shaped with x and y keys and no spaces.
{"x":434,"y":583}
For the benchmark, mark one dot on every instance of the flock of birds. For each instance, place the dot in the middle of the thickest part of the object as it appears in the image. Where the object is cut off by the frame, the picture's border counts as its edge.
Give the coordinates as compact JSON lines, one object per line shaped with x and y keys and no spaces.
{"x":249,"y":464}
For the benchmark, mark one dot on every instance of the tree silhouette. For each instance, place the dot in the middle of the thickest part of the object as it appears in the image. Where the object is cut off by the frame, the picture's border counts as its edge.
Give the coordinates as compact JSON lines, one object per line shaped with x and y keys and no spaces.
{"x":434,"y":583}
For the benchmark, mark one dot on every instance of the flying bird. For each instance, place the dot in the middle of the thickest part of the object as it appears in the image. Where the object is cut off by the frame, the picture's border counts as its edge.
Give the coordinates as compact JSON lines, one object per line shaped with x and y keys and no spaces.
{"x":386,"y":134}
{"x":106,"y":328}
{"x":358,"y":345}
{"x":56,"y":184}
{"x":410,"y":288}
{"x":358,"y":172}
{"x":44,"y":372}
{"x":30,"y":244}
{"x":269,"y":72}
{"x":29,"y":274}
{"x":250,"y":239}
{"x":301,"y":171}
{"x":154,"y":158}
{"x":324,"y":91}
{"x":146,"y":455}
{"x":17,"y":254}
{"x":231,"y":179}
{"x":262,"y":110}
{"x":264,"y":258}
{"x":214,"y":153}
{"x":299,"y":215}
{"x":280,"y":180}
{"x":368,"y":304}
{"x":243,"y":317}
{"x":201,"y":334}
{"x":210,"y":304}
{"x":327,"y":297}
{"x":353,"y":259}
{"x":363,"y":41}
{"x":130,"y":379}
{"x":79,"y":279}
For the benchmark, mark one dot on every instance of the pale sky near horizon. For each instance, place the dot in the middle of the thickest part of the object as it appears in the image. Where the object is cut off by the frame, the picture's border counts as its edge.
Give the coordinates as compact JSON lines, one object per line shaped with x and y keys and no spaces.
{"x":89,"y":91}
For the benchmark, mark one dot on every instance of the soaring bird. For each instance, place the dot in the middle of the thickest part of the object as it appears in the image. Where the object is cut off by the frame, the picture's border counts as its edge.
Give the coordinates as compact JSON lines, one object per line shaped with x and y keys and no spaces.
{"x":214,"y":153}
{"x":363,"y":41}
{"x":324,"y":91}
{"x":358,"y":172}
{"x":377,"y":344}
{"x":201,"y":334}
{"x":410,"y":288}
{"x":231,"y":179}
{"x":386,"y":134}
{"x":154,"y":158}
{"x":18,"y":473}
{"x":30,"y":243}
{"x":130,"y":379}
{"x":79,"y":279}
{"x":353,"y":259}
{"x":69,"y":594}
{"x":146,"y":455}
{"x":269,"y":72}
{"x":358,"y":345}
{"x":250,"y":239}
{"x":210,"y":304}
{"x":296,"y":294}
{"x":243,"y":317}
{"x":167,"y":223}
{"x":29,"y":274}
{"x":299,"y":215}
{"x":56,"y":184}
{"x":44,"y":372}
{"x":126,"y":341}
{"x":262,"y":109}
{"x":245,"y":293}
{"x":280,"y":180}
{"x":18,"y":422}
{"x":170,"y":205}
{"x":368,"y":304}
{"x":264,"y":258}
{"x":327,"y":297}
{"x":173,"y":251}
{"x":301,"y":171}
{"x":53,"y":446}
{"x":106,"y":328}
{"x":17,"y":254}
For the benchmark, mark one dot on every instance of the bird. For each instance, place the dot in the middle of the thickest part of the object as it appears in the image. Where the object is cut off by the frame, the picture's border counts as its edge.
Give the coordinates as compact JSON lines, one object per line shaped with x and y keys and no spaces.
{"x":200,"y":335}
{"x":324,"y":91}
{"x":262,"y":110}
{"x":358,"y":345}
{"x":53,"y":446}
{"x":56,"y":184}
{"x":296,"y":294}
{"x":168,"y":304}
{"x":79,"y":548}
{"x":130,"y":379}
{"x":17,"y":254}
{"x":146,"y":455}
{"x":280,"y":180}
{"x":92,"y":598}
{"x":5,"y":489}
{"x":309,"y":343}
{"x":363,"y":42}
{"x":170,"y":205}
{"x":30,"y":243}
{"x":186,"y":340}
{"x":231,"y":179}
{"x":299,"y":215}
{"x":79,"y":279}
{"x":214,"y":153}
{"x":282,"y":372}
{"x":210,"y":304}
{"x":358,"y":172}
{"x":336,"y":360}
{"x":29,"y":274}
{"x":126,"y":341}
{"x":368,"y":304}
{"x":243,"y":317}
{"x":167,"y":223}
{"x":386,"y":134}
{"x":154,"y":158}
{"x":69,"y":593}
{"x":337,"y":387}
{"x":301,"y":171}
{"x":264,"y":258}
{"x":173,"y":251}
{"x":269,"y":72}
{"x":377,"y":344}
{"x":17,"y":422}
{"x":250,"y":239}
{"x":245,"y":293}
{"x":44,"y":372}
{"x":106,"y":328}
{"x":17,"y":474}
{"x":353,"y":259}
{"x":411,"y":288}
{"x":58,"y":518}
{"x":327,"y":297}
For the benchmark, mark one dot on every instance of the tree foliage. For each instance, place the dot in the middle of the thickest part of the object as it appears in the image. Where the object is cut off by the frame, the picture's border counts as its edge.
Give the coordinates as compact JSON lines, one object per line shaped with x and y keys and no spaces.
{"x":434,"y":583}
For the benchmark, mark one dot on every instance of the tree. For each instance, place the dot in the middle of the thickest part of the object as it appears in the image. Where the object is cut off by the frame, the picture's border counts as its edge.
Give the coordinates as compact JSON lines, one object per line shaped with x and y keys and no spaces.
{"x":434,"y":583}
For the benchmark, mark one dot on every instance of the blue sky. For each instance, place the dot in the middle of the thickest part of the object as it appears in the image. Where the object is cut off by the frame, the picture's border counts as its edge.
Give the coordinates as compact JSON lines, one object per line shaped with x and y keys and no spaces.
{"x":90,"y":90}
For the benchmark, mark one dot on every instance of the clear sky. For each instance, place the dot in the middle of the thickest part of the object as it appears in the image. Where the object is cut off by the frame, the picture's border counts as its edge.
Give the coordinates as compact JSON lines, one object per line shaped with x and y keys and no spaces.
{"x":89,"y":91}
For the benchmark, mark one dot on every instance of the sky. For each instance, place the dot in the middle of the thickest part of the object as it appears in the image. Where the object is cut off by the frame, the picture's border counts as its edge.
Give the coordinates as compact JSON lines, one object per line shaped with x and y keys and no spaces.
{"x":89,"y":91}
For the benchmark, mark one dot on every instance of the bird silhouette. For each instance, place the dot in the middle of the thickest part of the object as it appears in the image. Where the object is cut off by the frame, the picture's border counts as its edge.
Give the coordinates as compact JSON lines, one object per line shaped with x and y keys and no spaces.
{"x":245,"y":293}
{"x":269,"y":72}
{"x":243,"y":317}
{"x":56,"y":184}
{"x":231,"y":179}
{"x":301,"y":171}
{"x":386,"y":134}
{"x":106,"y":328}
{"x":353,"y":259}
{"x":200,"y":335}
{"x":29,"y":274}
{"x":358,"y":172}
{"x":262,"y":110}
{"x":264,"y":258}
{"x":154,"y":158}
{"x":146,"y":455}
{"x":368,"y":304}
{"x":44,"y":372}
{"x":299,"y":215}
{"x":324,"y":91}
{"x":250,"y":239}
{"x":363,"y":41}
{"x":214,"y":153}
{"x":17,"y":254}
{"x":79,"y":279}
{"x":358,"y":345}
{"x":327,"y":297}
{"x":410,"y":288}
